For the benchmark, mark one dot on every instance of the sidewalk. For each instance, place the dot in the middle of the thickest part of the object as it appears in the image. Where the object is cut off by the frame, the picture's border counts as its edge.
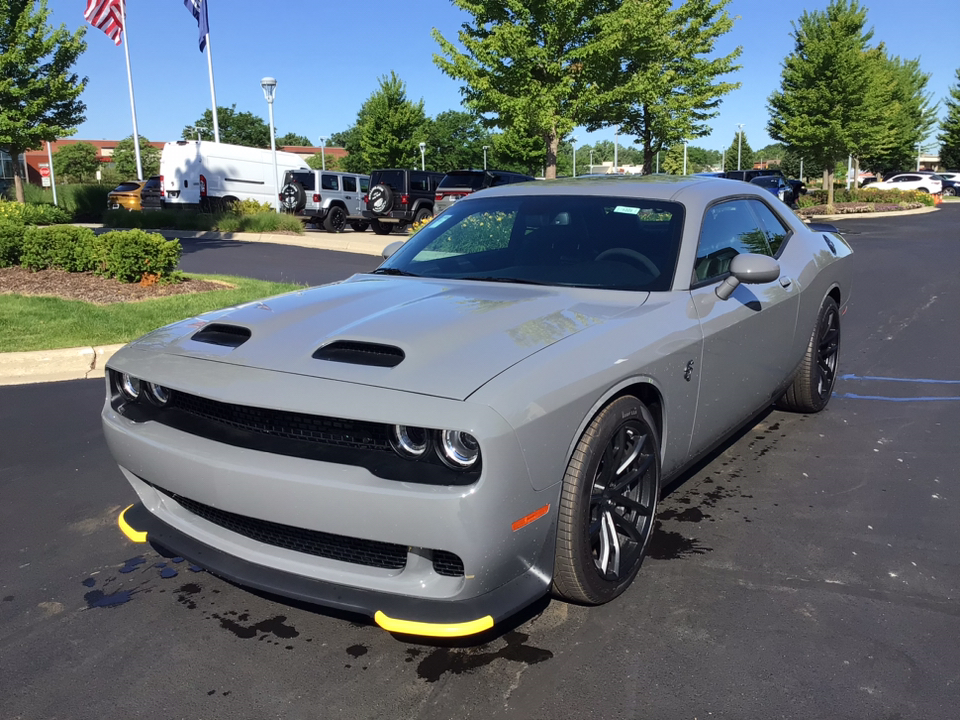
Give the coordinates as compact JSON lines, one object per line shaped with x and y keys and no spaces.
{"x":21,"y":368}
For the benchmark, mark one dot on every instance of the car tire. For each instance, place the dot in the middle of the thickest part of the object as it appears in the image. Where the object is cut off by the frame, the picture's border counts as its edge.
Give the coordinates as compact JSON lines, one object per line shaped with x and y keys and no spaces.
{"x":229,"y":204}
{"x":949,"y":192}
{"x":606,"y":514}
{"x":336,"y":220}
{"x":813,"y":384}
{"x":359,"y":226}
{"x":923,"y":190}
{"x":380,"y":199}
{"x":381,"y":228}
{"x":293,"y":198}
{"x":422,"y":214}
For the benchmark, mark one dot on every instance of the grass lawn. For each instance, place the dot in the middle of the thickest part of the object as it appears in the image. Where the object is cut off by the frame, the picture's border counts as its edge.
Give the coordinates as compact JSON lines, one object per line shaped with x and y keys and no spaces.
{"x":46,"y":323}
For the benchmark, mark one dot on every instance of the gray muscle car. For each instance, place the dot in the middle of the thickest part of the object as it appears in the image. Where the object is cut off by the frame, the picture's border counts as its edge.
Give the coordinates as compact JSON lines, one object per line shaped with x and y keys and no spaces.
{"x":490,"y":415}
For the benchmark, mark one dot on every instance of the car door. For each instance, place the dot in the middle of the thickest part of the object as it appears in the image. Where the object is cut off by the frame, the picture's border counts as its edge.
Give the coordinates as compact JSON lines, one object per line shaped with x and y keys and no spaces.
{"x":350,"y":194}
{"x":747,"y":339}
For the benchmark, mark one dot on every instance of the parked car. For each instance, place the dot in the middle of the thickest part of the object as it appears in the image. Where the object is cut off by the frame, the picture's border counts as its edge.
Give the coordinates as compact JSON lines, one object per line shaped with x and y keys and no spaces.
{"x":490,"y":415}
{"x":457,"y":184}
{"x":332,"y":199}
{"x":799,"y":187}
{"x":125,"y":196}
{"x":151,"y":194}
{"x":955,"y":176}
{"x":399,"y":198}
{"x":214,"y":176}
{"x":910,"y":181}
{"x":776,"y":185}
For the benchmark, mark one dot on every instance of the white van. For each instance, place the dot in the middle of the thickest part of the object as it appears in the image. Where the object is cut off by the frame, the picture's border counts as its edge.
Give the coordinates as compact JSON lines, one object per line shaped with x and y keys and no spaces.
{"x":210,"y":176}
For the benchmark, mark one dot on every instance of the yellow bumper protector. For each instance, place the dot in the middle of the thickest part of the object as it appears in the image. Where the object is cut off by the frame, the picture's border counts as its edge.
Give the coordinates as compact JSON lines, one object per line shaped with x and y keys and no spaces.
{"x":410,"y":627}
{"x":136,"y":535}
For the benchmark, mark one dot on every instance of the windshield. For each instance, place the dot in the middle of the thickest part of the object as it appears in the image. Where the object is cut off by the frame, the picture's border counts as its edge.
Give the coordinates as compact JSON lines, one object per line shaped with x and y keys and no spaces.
{"x":305,"y":178}
{"x":616,"y":243}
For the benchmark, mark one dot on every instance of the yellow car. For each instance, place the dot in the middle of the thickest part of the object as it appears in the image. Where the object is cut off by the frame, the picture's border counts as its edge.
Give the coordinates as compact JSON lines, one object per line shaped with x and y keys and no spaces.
{"x":125,"y":196}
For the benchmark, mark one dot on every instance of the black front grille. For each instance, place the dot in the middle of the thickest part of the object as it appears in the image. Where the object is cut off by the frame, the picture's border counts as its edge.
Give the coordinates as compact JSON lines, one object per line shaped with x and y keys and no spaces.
{"x":446,"y":563}
{"x":288,"y":425}
{"x":371,"y":553}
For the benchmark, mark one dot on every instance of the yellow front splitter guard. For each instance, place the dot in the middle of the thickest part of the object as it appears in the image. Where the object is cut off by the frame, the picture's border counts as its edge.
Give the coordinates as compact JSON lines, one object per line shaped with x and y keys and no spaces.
{"x":409,"y":627}
{"x":136,"y":536}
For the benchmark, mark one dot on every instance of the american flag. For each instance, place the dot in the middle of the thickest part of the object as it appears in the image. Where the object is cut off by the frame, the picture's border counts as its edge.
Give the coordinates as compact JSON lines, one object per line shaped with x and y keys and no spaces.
{"x":108,"y":16}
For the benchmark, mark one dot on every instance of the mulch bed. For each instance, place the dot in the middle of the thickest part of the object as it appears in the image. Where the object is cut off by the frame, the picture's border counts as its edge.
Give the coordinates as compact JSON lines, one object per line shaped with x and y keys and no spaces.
{"x":92,"y":288}
{"x":851,"y":208}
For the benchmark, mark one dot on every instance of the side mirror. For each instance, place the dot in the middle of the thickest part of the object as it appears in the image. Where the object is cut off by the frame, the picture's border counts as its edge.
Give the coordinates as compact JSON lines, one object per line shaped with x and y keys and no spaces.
{"x":392,"y":248}
{"x":751,"y":269}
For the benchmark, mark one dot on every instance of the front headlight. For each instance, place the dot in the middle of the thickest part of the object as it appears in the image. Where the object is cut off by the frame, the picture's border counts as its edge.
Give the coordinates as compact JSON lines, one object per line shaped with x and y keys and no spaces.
{"x":158,"y":393}
{"x":409,"y":441}
{"x":458,"y":449}
{"x":129,"y":386}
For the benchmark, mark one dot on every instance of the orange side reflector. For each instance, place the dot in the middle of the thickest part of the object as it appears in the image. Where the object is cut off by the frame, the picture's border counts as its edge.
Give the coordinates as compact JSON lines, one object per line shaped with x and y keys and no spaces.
{"x":527,"y":519}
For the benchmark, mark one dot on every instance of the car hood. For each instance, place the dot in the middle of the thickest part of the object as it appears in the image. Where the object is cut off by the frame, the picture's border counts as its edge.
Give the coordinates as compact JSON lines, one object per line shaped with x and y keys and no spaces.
{"x":455,"y":335}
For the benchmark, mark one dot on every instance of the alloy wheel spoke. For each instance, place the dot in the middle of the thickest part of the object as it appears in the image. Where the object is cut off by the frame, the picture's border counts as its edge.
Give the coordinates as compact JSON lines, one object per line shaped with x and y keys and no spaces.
{"x":632,"y":476}
{"x":628,"y":527}
{"x":630,"y":503}
{"x":609,"y":546}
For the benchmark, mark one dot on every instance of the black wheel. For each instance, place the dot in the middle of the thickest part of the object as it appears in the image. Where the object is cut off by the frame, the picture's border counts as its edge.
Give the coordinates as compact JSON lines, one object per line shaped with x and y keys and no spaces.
{"x":422,"y":214}
{"x":813,"y":384}
{"x":293,"y":198}
{"x":359,"y":225}
{"x":949,"y":192}
{"x":923,"y":190}
{"x":608,"y":504}
{"x":336,"y":220}
{"x":381,"y":228}
{"x":380,"y":199}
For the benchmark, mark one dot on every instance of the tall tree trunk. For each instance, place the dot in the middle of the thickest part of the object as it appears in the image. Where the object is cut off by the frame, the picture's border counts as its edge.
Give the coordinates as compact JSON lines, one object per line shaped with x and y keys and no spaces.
{"x":553,"y":144}
{"x":829,"y":186}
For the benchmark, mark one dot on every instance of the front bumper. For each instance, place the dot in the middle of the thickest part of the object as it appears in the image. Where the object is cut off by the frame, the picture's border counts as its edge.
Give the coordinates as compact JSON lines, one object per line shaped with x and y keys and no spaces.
{"x":396,"y":613}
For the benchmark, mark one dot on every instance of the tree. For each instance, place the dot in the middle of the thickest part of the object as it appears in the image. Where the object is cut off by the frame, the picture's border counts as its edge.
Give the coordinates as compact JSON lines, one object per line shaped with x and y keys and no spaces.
{"x":831,"y":99}
{"x":333,"y":162}
{"x":455,"y":140}
{"x":125,"y":160}
{"x":236,"y":128}
{"x":39,"y":95}
{"x":293,"y":139}
{"x":527,"y":65}
{"x":389,"y":129}
{"x":740,"y":147}
{"x":672,"y":161}
{"x":519,"y":149}
{"x":76,"y":161}
{"x":662,"y":84}
{"x":950,"y":129}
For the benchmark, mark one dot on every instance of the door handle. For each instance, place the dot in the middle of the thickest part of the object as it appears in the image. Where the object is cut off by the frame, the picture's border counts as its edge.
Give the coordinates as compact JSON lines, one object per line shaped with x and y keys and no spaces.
{"x":785,"y":281}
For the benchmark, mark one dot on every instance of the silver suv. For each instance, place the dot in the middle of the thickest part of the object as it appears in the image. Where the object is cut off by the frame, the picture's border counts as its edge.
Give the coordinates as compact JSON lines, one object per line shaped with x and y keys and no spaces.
{"x":332,"y":199}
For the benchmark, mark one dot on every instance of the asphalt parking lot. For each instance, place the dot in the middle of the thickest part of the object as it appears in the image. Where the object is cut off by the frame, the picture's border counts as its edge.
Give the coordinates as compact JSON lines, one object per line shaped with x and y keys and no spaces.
{"x":809,"y":569}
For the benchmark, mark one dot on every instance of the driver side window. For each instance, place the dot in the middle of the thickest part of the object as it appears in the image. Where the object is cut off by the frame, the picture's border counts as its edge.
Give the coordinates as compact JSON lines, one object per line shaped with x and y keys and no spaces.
{"x":729,"y":229}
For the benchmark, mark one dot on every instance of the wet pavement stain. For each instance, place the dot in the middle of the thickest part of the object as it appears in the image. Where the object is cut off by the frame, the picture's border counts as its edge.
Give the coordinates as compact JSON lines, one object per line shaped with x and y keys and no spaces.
{"x":168,"y":573}
{"x":669,"y":545}
{"x":132,"y":564}
{"x":8,"y":598}
{"x":459,"y":661}
{"x":356,"y":651}
{"x":694,"y":515}
{"x":96,"y":598}
{"x":89,"y":582}
{"x":275,"y":626}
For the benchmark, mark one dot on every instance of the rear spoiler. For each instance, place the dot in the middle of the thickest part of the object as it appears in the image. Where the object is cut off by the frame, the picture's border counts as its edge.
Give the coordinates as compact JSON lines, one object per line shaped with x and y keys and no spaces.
{"x":823,"y":227}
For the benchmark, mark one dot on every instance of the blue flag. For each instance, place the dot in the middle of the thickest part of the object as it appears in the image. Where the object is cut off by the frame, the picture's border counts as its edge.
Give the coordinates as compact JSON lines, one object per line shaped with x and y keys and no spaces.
{"x":199,"y":10}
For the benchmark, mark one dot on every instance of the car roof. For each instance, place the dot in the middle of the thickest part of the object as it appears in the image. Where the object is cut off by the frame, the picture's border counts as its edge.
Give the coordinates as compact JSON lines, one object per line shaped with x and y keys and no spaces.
{"x":659,"y":187}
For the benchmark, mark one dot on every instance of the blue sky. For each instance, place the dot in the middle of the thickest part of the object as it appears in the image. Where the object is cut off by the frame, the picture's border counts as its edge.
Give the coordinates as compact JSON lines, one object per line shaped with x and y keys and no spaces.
{"x":328,"y":56}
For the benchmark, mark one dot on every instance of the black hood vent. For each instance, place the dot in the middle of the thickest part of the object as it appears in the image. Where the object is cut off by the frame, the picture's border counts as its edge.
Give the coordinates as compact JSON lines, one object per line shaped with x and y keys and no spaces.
{"x":223,"y":335}
{"x":360,"y":353}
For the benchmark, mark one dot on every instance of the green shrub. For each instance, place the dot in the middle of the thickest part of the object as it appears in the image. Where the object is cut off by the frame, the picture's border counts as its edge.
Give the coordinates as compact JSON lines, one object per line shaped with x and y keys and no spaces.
{"x":160,"y":220}
{"x":263,"y":222}
{"x":251,"y":207}
{"x":33,"y":214}
{"x":11,"y":242}
{"x":867,"y":194}
{"x":66,"y":247}
{"x":136,"y":255}
{"x":87,"y":202}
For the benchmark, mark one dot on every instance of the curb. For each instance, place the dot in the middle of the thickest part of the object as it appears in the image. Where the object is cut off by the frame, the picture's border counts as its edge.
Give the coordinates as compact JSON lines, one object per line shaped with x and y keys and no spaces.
{"x":80,"y":363}
{"x":871,"y":215}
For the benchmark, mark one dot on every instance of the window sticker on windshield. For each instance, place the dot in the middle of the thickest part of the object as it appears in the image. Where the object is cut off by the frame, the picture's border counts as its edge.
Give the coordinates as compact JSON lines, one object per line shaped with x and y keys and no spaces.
{"x":627,"y":210}
{"x":440,"y":220}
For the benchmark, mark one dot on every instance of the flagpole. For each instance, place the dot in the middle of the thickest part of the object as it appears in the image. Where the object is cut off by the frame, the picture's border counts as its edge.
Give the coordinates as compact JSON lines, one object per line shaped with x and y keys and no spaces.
{"x":133,"y":107}
{"x":213,"y":93}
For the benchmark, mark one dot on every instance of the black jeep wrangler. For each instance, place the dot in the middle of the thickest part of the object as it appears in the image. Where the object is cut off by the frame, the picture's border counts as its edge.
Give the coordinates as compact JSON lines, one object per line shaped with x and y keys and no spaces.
{"x":398,"y":198}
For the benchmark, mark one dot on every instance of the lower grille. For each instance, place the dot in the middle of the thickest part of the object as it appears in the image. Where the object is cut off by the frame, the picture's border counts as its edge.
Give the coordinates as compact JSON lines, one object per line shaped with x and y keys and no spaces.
{"x":446,"y":563}
{"x":371,"y":553}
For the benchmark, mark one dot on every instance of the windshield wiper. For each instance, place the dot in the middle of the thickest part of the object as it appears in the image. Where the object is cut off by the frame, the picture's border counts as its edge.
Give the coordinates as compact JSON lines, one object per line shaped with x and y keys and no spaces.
{"x":393,"y":271}
{"x":518,"y":281}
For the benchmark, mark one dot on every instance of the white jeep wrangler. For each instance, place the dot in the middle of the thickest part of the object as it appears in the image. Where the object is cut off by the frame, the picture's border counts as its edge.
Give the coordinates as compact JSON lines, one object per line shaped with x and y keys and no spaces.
{"x":332,"y":199}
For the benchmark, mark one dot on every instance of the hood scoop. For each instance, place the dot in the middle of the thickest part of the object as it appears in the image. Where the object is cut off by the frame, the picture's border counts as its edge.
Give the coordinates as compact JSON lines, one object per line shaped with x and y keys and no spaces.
{"x":224,"y":335}
{"x":361,"y":353}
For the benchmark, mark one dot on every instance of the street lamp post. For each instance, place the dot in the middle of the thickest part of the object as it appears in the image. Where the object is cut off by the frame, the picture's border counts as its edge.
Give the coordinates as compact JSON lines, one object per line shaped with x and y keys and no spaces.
{"x":658,"y":162}
{"x":423,"y":162}
{"x":918,"y":157}
{"x":739,"y":142}
{"x":269,"y":86}
{"x":616,"y":149}
{"x":573,"y":141}
{"x":684,"y":157}
{"x":485,"y":148}
{"x":591,"y":161}
{"x":323,"y":152}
